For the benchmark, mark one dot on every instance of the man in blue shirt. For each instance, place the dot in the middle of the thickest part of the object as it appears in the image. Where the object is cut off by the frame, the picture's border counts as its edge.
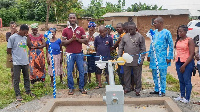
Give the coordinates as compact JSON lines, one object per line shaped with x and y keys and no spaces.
{"x":102,"y":44}
{"x":161,"y":40}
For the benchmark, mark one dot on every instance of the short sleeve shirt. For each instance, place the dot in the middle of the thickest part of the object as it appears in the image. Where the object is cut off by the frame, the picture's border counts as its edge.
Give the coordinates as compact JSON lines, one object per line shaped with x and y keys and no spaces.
{"x":55,"y":46}
{"x":19,"y":52}
{"x":75,"y":46}
{"x":103,"y":46}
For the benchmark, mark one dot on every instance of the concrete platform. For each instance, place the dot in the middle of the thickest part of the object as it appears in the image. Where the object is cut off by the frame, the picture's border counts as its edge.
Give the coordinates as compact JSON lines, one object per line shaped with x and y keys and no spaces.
{"x":166,"y":101}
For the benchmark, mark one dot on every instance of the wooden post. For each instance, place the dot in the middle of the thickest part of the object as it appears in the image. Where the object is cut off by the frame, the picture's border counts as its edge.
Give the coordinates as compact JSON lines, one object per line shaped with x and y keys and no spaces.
{"x":1,"y":23}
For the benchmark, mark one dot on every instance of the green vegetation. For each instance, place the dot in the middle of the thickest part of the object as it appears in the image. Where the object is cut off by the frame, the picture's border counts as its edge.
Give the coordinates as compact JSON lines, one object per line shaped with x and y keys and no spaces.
{"x":20,"y":22}
{"x":52,"y":10}
{"x":7,"y":94}
{"x":146,"y":63}
{"x":172,"y":83}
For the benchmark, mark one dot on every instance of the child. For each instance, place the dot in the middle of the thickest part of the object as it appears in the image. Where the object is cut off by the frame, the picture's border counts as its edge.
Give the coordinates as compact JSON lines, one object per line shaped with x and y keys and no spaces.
{"x":57,"y":56}
{"x":17,"y":47}
{"x":103,"y":44}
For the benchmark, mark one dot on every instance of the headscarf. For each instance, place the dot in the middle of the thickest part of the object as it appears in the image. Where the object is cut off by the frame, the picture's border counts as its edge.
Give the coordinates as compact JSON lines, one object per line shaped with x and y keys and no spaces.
{"x":54,"y":29}
{"x":110,"y":27}
{"x":34,"y":25}
{"x":91,"y":24}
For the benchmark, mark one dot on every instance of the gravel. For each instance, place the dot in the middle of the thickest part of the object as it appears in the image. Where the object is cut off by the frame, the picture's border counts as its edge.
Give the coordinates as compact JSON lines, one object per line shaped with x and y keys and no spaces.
{"x":37,"y":104}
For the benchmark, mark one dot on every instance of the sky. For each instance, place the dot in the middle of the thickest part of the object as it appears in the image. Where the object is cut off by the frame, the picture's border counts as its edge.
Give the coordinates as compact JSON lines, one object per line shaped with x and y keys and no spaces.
{"x":192,"y":5}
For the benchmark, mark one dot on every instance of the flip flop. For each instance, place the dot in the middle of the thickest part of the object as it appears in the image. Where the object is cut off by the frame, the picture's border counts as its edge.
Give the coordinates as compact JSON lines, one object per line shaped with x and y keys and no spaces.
{"x":83,"y":91}
{"x":19,"y":98}
{"x":97,"y":87}
{"x":198,"y":103}
{"x":71,"y":92}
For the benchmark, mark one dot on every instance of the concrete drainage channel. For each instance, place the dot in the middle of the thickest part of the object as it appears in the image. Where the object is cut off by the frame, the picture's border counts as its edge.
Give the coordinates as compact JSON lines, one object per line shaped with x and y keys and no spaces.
{"x":151,"y":104}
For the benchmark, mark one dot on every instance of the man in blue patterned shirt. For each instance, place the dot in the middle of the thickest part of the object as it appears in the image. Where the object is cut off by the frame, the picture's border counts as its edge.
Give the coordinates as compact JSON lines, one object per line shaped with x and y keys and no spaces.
{"x":161,"y":40}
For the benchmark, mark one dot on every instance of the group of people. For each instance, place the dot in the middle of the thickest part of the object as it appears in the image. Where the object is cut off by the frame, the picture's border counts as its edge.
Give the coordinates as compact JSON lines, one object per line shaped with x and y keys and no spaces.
{"x":104,"y":45}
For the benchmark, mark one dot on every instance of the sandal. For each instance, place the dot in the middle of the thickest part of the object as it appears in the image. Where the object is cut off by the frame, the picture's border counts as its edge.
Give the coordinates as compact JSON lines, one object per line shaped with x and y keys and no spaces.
{"x":198,"y":103}
{"x":97,"y":87}
{"x":83,"y":91}
{"x":137,"y":93}
{"x":126,"y":92}
{"x":19,"y":98}
{"x":70,"y":92}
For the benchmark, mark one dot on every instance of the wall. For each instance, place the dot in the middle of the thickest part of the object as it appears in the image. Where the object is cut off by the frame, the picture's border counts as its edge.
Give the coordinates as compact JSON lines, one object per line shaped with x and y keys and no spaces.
{"x":170,"y":22}
{"x":83,"y":23}
{"x":114,"y":20}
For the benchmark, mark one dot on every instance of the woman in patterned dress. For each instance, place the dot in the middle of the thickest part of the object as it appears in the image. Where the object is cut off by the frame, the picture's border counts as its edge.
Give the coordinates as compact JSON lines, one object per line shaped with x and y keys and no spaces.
{"x":36,"y":43}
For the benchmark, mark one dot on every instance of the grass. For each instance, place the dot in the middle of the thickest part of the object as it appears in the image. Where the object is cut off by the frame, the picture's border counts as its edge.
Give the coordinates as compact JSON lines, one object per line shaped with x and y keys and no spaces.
{"x":20,"y":22}
{"x":173,"y":83}
{"x":6,"y":91}
{"x":146,"y":63}
{"x":7,"y":94}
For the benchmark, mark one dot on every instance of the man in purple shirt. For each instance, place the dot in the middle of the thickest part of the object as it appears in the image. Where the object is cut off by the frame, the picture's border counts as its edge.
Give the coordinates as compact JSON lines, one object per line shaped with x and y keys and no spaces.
{"x":102,"y":44}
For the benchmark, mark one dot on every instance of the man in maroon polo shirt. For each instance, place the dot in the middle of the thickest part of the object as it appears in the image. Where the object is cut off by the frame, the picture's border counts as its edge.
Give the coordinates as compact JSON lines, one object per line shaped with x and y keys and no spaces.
{"x":73,"y":37}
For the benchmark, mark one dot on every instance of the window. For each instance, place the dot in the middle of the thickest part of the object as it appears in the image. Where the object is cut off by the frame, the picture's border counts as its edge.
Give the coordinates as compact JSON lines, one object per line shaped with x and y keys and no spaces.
{"x":198,"y":24}
{"x":189,"y":24}
{"x":152,"y":21}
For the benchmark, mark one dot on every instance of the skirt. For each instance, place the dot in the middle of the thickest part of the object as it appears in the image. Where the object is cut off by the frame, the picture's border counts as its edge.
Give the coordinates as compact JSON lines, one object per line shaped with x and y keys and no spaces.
{"x":57,"y":65}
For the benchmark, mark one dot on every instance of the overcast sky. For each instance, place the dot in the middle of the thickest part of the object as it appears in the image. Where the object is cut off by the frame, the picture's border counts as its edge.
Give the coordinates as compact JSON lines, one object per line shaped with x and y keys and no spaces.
{"x":167,"y":4}
{"x":192,"y":5}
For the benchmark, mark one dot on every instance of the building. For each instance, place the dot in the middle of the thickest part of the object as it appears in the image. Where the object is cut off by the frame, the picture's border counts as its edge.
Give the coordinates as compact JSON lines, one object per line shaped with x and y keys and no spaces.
{"x":144,"y":19}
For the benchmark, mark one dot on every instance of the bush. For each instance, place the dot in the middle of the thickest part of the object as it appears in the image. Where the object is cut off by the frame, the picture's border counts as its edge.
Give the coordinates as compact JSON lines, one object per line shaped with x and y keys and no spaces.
{"x":8,"y":15}
{"x":34,"y":11}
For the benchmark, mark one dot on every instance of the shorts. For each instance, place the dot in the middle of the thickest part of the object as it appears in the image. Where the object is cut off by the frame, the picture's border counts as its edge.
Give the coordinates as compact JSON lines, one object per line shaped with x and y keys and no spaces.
{"x":99,"y":71}
{"x":91,"y":63}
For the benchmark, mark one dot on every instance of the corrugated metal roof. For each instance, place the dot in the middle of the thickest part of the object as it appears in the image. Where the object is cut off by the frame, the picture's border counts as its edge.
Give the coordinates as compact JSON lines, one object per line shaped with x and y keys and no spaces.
{"x":149,"y":13}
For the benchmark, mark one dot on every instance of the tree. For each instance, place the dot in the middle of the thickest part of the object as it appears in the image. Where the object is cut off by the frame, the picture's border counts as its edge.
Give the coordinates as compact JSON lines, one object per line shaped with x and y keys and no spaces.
{"x":137,"y":7}
{"x":7,"y":3}
{"x":48,"y":2}
{"x":64,"y":7}
{"x":95,"y":9}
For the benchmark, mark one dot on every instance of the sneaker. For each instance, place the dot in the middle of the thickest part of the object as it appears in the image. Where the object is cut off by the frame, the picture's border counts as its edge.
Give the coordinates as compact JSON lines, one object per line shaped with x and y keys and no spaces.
{"x":178,"y":98}
{"x":184,"y":101}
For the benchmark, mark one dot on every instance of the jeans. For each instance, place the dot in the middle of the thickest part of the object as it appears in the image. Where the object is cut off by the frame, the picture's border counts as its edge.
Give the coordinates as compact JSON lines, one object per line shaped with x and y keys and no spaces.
{"x":17,"y":71}
{"x":185,"y":78}
{"x":78,"y":57}
{"x":163,"y":74}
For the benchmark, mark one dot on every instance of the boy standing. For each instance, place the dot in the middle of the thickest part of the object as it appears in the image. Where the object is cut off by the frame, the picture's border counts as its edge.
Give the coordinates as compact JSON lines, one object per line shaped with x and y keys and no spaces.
{"x":102,"y":44}
{"x":132,"y":43}
{"x":17,"y":47}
